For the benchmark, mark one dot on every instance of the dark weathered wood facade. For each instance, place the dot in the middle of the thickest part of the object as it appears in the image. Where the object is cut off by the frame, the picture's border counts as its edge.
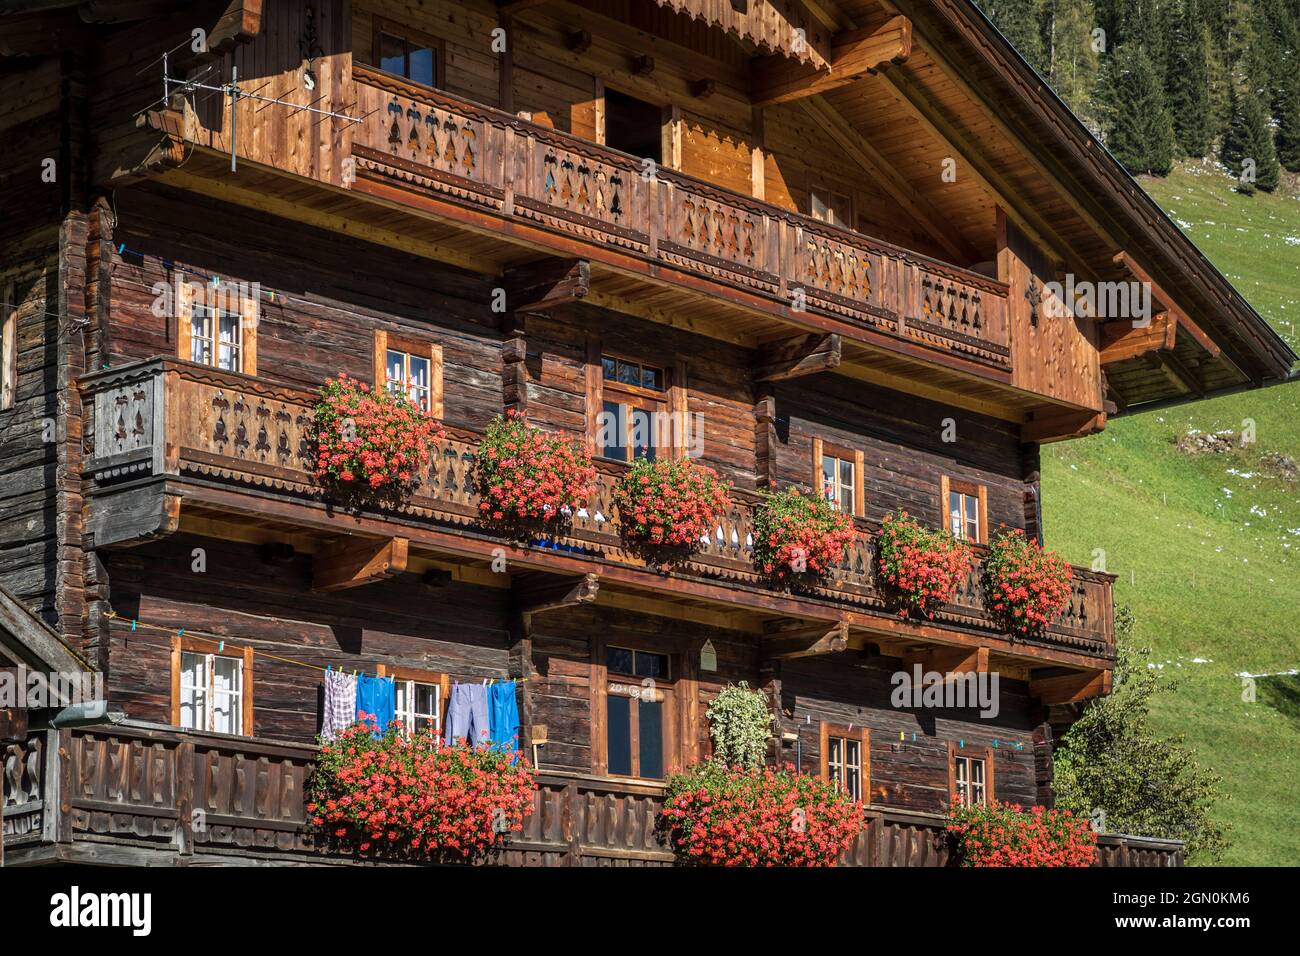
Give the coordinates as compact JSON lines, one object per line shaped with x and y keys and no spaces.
{"x":795,"y":261}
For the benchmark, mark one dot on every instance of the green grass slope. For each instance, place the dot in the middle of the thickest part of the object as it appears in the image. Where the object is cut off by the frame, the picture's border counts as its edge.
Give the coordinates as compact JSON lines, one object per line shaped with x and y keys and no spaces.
{"x":1207,"y":547}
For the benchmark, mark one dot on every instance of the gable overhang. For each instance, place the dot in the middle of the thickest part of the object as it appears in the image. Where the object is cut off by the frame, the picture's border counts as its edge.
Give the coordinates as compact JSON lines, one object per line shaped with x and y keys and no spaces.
{"x":1232,"y":339}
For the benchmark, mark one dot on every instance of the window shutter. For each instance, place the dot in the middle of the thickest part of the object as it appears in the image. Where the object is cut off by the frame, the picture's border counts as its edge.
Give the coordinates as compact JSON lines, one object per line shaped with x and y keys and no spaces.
{"x":246,"y":718}
{"x":248,"y":309}
{"x":988,"y":776}
{"x":817,"y":446}
{"x":866,"y":766}
{"x":435,"y":381}
{"x":825,"y":750}
{"x":381,"y":359}
{"x":952,"y":774}
{"x":184,"y":306}
{"x":859,"y":493}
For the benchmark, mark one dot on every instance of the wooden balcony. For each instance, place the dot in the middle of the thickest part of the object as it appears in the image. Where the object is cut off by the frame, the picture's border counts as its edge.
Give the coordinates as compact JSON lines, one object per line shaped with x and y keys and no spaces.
{"x":176,"y":440}
{"x":417,"y":144}
{"x":142,"y":794}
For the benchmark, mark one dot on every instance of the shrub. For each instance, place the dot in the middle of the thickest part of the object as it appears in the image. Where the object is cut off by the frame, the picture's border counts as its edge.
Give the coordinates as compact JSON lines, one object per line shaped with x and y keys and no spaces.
{"x":668,"y":505}
{"x":1026,"y":586}
{"x":740,"y":726}
{"x":720,"y":816}
{"x":416,"y":798}
{"x":799,"y":536}
{"x":921,"y":565}
{"x":525,"y":474}
{"x":371,"y":443}
{"x":1001,"y":834}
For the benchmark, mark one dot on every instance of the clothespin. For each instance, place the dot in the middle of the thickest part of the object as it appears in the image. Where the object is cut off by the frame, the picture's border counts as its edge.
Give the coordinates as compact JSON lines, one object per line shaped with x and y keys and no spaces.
{"x":961,"y":744}
{"x":121,"y":248}
{"x":133,"y":623}
{"x":850,"y":728}
{"x":181,"y":632}
{"x":221,"y":646}
{"x":995,"y":743}
{"x":901,"y":736}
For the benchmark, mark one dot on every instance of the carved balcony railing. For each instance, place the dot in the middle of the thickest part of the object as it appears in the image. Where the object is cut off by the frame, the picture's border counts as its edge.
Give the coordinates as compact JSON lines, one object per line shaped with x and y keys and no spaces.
{"x":490,"y":160}
{"x":145,"y":793}
{"x":165,"y":417}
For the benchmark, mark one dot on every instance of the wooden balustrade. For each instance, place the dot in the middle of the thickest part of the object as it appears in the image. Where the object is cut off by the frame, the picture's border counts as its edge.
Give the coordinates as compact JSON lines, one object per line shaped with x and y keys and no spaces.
{"x":490,"y":159}
{"x":171,"y":417}
{"x":145,"y":793}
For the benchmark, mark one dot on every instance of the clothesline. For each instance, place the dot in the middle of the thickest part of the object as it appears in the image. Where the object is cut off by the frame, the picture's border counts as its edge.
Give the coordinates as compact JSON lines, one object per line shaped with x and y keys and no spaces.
{"x":222,"y":643}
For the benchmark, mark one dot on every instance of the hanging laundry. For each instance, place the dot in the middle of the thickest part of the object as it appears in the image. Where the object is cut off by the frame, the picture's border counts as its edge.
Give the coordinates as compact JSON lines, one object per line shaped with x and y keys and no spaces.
{"x":467,"y":714}
{"x":375,"y":698}
{"x":503,"y":716}
{"x":340,"y":708}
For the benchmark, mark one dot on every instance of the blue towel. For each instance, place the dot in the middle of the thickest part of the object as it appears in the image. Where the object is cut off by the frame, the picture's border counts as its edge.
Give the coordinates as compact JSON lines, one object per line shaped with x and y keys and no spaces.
{"x":375,"y":697}
{"x":503,"y":716}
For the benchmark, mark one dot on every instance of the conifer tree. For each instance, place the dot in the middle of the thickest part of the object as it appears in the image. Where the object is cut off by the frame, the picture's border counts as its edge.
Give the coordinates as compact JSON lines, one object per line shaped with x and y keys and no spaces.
{"x":1248,"y":146}
{"x":1188,"y":82}
{"x":1021,"y":22}
{"x":1139,"y":131}
{"x":1288,"y":130}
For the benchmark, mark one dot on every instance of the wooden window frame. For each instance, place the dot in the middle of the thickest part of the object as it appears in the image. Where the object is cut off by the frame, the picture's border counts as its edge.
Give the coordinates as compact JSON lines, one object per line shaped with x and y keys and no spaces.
{"x":672,"y":711}
{"x":846,"y":733}
{"x":819,"y":190}
{"x":193,"y":645}
{"x":948,"y":485}
{"x":411,"y":345}
{"x":8,"y":345}
{"x":419,"y":676}
{"x":671,"y":399}
{"x":381,"y":25}
{"x":248,"y":319}
{"x":984,"y":754}
{"x":822,"y":449}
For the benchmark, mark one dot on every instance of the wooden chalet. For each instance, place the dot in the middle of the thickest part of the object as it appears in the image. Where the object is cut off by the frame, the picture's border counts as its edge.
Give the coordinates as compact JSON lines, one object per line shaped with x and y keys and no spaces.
{"x":825,"y":229}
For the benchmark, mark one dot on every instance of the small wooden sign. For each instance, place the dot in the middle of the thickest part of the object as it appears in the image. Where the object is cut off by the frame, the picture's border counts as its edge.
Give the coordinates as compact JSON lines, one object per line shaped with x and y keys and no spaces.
{"x":538,"y":734}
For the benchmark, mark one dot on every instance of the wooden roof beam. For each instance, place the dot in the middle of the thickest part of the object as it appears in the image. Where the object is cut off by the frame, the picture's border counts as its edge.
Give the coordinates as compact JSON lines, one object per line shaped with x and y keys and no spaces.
{"x":532,"y":599}
{"x":854,"y":53}
{"x":805,"y":642}
{"x":1062,"y":426}
{"x":1069,"y":688}
{"x":861,"y":151}
{"x":547,"y":284}
{"x":951,"y":662}
{"x":918,"y":104}
{"x":354,"y":563}
{"x":797,"y":356}
{"x":1181,"y":318}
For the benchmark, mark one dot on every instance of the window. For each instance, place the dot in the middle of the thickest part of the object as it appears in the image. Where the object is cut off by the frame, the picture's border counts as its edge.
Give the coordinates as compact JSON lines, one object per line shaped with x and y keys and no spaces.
{"x":8,"y":345}
{"x":837,"y":471}
{"x":846,"y":759}
{"x":215,"y":338}
{"x":638,"y":708}
{"x":633,"y":126}
{"x":965,"y":506}
{"x":409,"y":54}
{"x":633,"y":423}
{"x":410,"y":367}
{"x":418,"y":698}
{"x":831,"y":207}
{"x":970,"y":776}
{"x":212,"y":688}
{"x":218,"y":326}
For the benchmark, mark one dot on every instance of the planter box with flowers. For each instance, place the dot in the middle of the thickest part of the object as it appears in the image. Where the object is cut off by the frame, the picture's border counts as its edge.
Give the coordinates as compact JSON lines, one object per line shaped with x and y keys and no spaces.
{"x":527,"y":476}
{"x":1026,"y":587}
{"x":371,"y":445}
{"x":730,"y":816}
{"x":667,"y":506}
{"x":1002,"y":834}
{"x":799,"y":538}
{"x":415,"y":798}
{"x":922,"y":566}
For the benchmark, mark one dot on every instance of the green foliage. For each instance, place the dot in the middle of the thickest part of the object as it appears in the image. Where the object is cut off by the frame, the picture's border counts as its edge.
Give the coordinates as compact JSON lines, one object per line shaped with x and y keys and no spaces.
{"x":1112,"y":761}
{"x":1188,"y":82}
{"x":1139,"y":131}
{"x":1288,"y":131}
{"x":1021,"y":22}
{"x":1248,"y":146}
{"x":740,"y":725}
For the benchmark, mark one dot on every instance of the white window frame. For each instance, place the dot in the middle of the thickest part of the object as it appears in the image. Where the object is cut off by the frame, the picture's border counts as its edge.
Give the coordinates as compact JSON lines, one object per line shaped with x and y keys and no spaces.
{"x":969,"y":790}
{"x":407,"y":717}
{"x":205,"y":317}
{"x":204,"y":709}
